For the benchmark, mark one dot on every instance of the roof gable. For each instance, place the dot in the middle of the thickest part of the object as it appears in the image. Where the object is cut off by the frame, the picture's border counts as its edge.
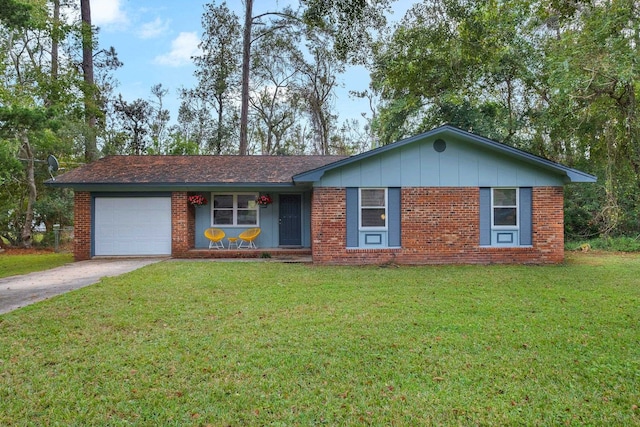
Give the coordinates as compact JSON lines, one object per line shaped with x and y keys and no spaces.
{"x":447,"y":131}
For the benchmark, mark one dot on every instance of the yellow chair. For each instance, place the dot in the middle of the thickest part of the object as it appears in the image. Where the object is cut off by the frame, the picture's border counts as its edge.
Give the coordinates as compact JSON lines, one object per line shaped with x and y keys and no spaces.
{"x":247,"y":238}
{"x":215,"y":236}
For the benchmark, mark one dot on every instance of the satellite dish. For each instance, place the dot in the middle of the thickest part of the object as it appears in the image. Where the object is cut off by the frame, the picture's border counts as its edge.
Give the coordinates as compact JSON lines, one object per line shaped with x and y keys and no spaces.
{"x":53,"y":165}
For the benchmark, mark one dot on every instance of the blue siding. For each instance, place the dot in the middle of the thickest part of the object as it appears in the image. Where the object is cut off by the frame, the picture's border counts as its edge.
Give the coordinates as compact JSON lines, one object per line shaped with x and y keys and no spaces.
{"x":428,"y":172}
{"x":392,"y":169}
{"x":352,"y":217}
{"x":306,"y":220}
{"x":372,"y":168}
{"x":203,"y":221}
{"x":526,"y":215}
{"x":268,"y":221}
{"x":409,"y":165}
{"x":394,"y":219}
{"x":485,"y":216}
{"x":460,"y":165}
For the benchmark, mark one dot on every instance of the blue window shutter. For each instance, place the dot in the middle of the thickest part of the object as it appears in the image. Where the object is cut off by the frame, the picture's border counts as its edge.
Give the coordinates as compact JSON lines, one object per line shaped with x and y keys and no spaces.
{"x":526,"y":216}
{"x":394,"y":221}
{"x":485,"y":216}
{"x":352,"y":217}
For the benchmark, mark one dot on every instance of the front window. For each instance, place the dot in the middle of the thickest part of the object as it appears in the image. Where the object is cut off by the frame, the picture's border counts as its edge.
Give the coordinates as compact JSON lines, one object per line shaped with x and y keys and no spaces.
{"x":373,"y":208}
{"x":505,"y":207}
{"x":235,"y":209}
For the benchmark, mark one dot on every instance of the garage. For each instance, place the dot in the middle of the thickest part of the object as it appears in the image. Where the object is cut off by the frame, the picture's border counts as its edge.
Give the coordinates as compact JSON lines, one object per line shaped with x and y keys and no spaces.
{"x":132,"y":226}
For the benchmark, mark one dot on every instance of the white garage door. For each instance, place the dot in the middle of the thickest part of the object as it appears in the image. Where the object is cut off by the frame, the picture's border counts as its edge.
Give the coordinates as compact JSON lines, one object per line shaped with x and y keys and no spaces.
{"x":132,"y":226}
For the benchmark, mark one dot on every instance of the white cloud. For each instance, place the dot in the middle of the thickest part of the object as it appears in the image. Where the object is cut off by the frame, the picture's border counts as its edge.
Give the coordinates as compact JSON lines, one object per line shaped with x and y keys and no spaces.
{"x":183,"y":48}
{"x":153,"y":29}
{"x":107,"y":13}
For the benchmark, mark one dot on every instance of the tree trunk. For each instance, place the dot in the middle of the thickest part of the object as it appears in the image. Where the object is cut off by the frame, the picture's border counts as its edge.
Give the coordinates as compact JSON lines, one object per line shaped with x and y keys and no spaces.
{"x":91,"y":146}
{"x":27,"y":238}
{"x":246,"y":58}
{"x":55,"y":42}
{"x":220,"y":130}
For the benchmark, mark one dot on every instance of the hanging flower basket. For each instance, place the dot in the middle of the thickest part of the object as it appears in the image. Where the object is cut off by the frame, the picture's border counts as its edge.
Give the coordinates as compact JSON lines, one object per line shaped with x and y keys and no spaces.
{"x":197,"y":200}
{"x":264,"y":200}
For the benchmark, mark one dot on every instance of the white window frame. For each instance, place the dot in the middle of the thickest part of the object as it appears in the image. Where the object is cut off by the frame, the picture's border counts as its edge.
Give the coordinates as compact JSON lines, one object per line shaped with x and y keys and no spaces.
{"x":516,"y":206}
{"x":235,"y":210}
{"x":386,"y":209}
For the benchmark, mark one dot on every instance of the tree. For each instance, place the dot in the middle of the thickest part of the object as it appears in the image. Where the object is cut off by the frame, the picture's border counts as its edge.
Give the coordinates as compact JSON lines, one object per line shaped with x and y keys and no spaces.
{"x":246,"y":58}
{"x":217,"y":73}
{"x":14,"y":14}
{"x":41,"y":109}
{"x":343,"y":26}
{"x":136,"y":118}
{"x":467,"y":66}
{"x":160,"y":117}
{"x":592,"y":64}
{"x":89,"y":88}
{"x":318,"y":90}
{"x":194,"y":119}
{"x":351,"y":25}
{"x":28,"y":114}
{"x":559,"y":80}
{"x":282,"y":20}
{"x":275,"y":100}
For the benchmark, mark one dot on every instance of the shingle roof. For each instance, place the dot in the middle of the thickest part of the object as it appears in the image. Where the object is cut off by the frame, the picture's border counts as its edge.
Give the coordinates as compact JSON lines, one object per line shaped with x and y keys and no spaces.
{"x":168,"y":170}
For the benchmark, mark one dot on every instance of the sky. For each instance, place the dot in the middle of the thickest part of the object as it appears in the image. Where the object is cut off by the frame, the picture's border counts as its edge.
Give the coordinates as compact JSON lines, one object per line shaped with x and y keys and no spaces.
{"x":155,"y":40}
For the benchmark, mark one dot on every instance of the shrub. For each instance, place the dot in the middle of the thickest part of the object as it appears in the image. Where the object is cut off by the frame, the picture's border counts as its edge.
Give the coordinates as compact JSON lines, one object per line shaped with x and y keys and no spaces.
{"x":619,"y":244}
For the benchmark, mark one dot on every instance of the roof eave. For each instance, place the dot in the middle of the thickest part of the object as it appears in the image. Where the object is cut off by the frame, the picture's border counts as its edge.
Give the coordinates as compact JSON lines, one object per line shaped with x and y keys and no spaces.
{"x":579,"y":176}
{"x":165,"y":186}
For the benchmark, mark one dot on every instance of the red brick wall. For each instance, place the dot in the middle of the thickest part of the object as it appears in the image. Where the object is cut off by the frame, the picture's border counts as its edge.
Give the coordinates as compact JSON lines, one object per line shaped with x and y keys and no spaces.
{"x":439,"y":225}
{"x":82,"y":226}
{"x":548,"y":223}
{"x":182,"y":224}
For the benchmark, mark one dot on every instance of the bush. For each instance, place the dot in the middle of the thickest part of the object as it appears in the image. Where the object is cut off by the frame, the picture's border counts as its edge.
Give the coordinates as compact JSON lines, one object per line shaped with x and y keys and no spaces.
{"x":619,"y":244}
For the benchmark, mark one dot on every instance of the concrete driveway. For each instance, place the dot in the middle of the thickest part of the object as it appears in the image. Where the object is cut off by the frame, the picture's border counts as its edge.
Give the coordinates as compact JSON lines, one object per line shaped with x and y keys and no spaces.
{"x":18,"y":291}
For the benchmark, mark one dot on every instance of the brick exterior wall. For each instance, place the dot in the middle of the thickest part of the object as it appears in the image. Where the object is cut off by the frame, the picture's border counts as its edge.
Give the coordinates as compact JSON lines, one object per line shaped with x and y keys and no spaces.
{"x":439,"y":225}
{"x":82,"y":225}
{"x":183,"y":218}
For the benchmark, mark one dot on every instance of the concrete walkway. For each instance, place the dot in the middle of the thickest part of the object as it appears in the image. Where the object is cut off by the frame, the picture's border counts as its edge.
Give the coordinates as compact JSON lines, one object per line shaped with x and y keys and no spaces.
{"x":19,"y":291}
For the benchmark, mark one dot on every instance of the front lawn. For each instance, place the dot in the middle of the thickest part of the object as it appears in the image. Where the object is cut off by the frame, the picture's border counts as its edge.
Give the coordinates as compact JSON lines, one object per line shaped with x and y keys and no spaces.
{"x":212,"y":343}
{"x":13,"y":263}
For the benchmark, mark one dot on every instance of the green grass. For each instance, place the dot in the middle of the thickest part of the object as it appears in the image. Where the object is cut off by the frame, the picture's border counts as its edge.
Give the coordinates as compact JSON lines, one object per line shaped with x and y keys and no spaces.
{"x":12,"y":265}
{"x":207,"y":343}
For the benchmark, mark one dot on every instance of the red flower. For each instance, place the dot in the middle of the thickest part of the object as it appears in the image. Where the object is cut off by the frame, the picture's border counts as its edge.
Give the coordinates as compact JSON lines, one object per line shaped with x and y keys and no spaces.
{"x":197,"y":200}
{"x":264,"y":199}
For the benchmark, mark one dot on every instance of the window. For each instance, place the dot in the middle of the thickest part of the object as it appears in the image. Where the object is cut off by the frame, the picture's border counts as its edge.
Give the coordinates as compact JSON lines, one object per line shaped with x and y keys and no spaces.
{"x":504,"y":207}
{"x":506,"y":216}
{"x":234,"y":209}
{"x":373,"y":208}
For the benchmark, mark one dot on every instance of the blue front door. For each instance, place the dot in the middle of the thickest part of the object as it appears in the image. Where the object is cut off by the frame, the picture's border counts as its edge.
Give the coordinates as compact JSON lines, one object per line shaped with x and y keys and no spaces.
{"x":290,"y":220}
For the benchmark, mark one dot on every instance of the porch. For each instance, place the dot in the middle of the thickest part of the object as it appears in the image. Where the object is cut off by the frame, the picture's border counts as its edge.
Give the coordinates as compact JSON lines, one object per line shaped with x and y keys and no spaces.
{"x":280,"y":254}
{"x":284,"y":222}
